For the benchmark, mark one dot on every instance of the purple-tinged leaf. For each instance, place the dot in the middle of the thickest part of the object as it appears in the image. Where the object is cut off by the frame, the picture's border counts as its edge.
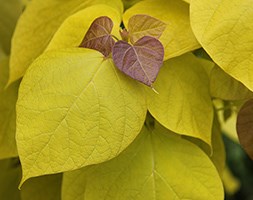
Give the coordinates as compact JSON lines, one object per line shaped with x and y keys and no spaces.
{"x":244,"y":127}
{"x":142,"y":61}
{"x":99,"y":37}
{"x":144,"y":25}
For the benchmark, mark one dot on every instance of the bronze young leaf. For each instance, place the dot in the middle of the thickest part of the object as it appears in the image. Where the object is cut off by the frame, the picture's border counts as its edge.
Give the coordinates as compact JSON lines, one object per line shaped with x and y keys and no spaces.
{"x":99,"y":37}
{"x":140,"y":61}
{"x":144,"y":25}
{"x":244,"y":127}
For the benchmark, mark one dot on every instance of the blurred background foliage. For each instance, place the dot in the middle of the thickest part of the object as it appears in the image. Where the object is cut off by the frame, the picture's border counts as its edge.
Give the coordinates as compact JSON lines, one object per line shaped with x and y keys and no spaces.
{"x":239,"y":183}
{"x":237,"y":177}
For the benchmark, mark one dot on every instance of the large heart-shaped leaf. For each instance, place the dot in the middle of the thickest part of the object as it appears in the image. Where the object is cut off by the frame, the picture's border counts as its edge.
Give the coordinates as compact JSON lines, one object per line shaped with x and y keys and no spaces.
{"x":224,"y":29}
{"x":75,"y":109}
{"x":144,"y":25}
{"x":158,"y":165}
{"x":99,"y":37}
{"x":244,"y":127}
{"x":141,"y":61}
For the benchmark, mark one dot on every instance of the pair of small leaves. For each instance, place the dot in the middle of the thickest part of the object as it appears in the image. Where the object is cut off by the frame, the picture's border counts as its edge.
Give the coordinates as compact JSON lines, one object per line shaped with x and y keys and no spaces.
{"x":143,"y":59}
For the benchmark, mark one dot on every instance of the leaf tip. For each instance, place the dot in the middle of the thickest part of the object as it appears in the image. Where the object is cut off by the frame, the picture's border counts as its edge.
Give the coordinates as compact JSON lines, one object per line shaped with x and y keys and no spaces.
{"x":154,"y":90}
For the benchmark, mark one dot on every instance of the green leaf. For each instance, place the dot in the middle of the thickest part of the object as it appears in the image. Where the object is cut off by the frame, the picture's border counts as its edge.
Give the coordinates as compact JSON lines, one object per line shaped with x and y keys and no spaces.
{"x":225,"y":87}
{"x":74,"y":28}
{"x":144,"y":25}
{"x":8,"y":98}
{"x":141,"y":61}
{"x":99,"y":37}
{"x":224,"y":29}
{"x":75,"y":109}
{"x":177,"y":37}
{"x":9,"y":13}
{"x":183,"y":104}
{"x":10,"y":174}
{"x":244,"y":127}
{"x":38,"y":24}
{"x":42,"y":188}
{"x":157,"y":165}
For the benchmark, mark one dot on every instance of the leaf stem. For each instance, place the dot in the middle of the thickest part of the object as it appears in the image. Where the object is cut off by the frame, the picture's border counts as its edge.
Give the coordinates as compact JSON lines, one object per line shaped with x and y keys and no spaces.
{"x":115,"y":37}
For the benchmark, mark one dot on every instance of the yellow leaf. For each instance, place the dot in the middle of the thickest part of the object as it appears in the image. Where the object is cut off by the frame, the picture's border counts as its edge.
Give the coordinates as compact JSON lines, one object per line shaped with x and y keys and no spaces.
{"x":183,"y":104}
{"x":217,"y":152}
{"x":157,"y":165}
{"x":225,"y":87}
{"x":9,"y":13}
{"x":8,"y":98}
{"x":74,"y":28}
{"x":177,"y":37}
{"x":42,"y":188}
{"x":75,"y":109}
{"x":224,"y":29}
{"x":38,"y":24}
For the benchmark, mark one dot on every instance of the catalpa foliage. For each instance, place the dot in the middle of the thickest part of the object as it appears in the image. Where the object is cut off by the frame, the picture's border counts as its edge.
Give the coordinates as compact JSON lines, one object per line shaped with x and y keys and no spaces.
{"x":122,"y":99}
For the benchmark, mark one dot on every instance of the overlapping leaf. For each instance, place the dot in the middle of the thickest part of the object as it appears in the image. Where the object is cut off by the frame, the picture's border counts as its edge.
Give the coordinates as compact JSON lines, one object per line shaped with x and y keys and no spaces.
{"x":10,"y":174}
{"x":99,"y":37}
{"x":38,"y":24}
{"x":177,"y":37}
{"x":217,"y":152}
{"x":155,"y":166}
{"x":73,"y":29}
{"x":129,"y":3}
{"x":144,"y":25}
{"x":183,"y":104}
{"x":43,"y":187}
{"x":141,"y":61}
{"x":225,"y":87}
{"x":244,"y":127}
{"x":75,"y":109}
{"x":8,"y":98}
{"x":9,"y":13}
{"x":224,"y":29}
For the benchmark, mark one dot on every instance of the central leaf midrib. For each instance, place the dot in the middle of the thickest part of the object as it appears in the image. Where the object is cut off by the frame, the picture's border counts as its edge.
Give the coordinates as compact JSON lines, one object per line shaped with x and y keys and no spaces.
{"x":141,"y":65}
{"x":77,"y":97}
